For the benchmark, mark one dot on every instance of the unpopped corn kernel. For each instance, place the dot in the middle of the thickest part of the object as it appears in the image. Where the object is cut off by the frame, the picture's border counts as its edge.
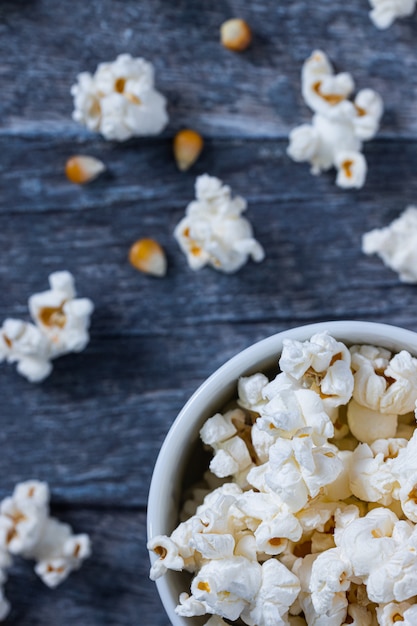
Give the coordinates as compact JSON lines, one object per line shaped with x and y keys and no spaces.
{"x":188,"y":145}
{"x":82,"y":169}
{"x":146,"y":255}
{"x":235,"y":34}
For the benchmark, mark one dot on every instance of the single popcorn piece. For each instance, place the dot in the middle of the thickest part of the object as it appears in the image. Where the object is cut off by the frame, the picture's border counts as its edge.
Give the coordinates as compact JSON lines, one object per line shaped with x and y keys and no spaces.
{"x":61,"y":326}
{"x":392,"y":613}
{"x":396,"y":244}
{"x":120,"y":100}
{"x":339,"y":125}
{"x":26,"y":529}
{"x":330,"y":575}
{"x":382,"y":383}
{"x":213,"y":232}
{"x":23,"y":343}
{"x":368,"y":425}
{"x":385,"y":12}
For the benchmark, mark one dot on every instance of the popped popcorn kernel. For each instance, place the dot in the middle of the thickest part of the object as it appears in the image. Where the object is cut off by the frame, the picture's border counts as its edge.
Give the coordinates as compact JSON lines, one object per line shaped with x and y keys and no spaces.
{"x":188,"y":145}
{"x":120,"y":100}
{"x":213,"y":232}
{"x":396,"y":245}
{"x":146,"y":255}
{"x":82,"y":169}
{"x":385,"y":12}
{"x":235,"y":34}
{"x":339,"y":125}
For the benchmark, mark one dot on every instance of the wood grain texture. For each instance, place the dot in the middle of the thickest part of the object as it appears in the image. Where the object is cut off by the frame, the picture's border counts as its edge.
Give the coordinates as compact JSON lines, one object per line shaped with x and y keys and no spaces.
{"x":93,"y":429}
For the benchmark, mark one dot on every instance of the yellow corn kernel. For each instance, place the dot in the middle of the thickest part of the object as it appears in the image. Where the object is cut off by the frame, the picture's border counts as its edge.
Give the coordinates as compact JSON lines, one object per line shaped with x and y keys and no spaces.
{"x":235,"y":34}
{"x":83,"y":169}
{"x":146,"y":255}
{"x":188,"y":145}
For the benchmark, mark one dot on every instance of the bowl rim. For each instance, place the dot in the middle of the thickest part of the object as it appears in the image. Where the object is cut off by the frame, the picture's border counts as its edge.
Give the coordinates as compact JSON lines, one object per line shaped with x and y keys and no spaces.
{"x":391,"y":337}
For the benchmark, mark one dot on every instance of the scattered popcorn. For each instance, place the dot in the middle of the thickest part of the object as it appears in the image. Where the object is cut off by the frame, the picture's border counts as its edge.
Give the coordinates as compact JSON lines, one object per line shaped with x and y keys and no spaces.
{"x":317,"y":525}
{"x":83,"y":169}
{"x":235,"y":35}
{"x":213,"y":231}
{"x":339,"y":125}
{"x":396,"y":244}
{"x":120,"y":100}
{"x":384,"y":12}
{"x":62,"y":323}
{"x":146,"y":255}
{"x":26,"y":529}
{"x":188,"y":145}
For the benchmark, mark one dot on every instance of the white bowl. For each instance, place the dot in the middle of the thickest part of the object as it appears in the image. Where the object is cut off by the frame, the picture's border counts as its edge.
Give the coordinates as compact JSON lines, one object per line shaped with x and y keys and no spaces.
{"x":210,"y":397}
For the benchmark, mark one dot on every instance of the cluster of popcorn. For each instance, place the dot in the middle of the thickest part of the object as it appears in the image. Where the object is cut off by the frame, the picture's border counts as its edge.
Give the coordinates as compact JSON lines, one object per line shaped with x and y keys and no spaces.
{"x":26,"y":529}
{"x":120,"y":100}
{"x":396,"y":245}
{"x":213,"y":231}
{"x":385,"y":12}
{"x":61,"y":322}
{"x":310,"y":517}
{"x":339,"y":125}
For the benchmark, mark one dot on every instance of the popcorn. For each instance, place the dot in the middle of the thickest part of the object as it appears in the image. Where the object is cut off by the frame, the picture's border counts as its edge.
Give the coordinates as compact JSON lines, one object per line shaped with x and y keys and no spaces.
{"x":26,"y":529}
{"x":330,"y":575}
{"x":213,"y":231}
{"x":339,"y":126}
{"x":321,"y":364}
{"x":314,"y":527}
{"x":226,"y":587}
{"x":392,"y":613}
{"x":62,"y":323}
{"x":279,"y":589}
{"x":382,"y":383}
{"x":384,"y":12}
{"x":120,"y":100}
{"x":396,"y":245}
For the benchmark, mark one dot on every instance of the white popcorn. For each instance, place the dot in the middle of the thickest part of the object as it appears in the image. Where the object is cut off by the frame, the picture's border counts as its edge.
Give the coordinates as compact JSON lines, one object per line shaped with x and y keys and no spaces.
{"x":307,"y":532}
{"x":393,"y":613}
{"x":215,"y":621}
{"x":249,"y":391}
{"x":339,"y":126}
{"x":298,"y":469}
{"x":290,"y":411}
{"x":384,"y":12}
{"x":367,"y":425}
{"x":396,"y":244}
{"x":120,"y":100}
{"x":63,"y":318}
{"x":279,"y":588}
{"x":321,"y":364}
{"x":24,"y":344}
{"x":227,"y":586}
{"x":371,"y":474}
{"x":330,"y":574}
{"x":384,"y":384}
{"x":213,"y":231}
{"x":62,"y":323}
{"x":367,"y":542}
{"x":59,"y":552}
{"x":168,"y":556}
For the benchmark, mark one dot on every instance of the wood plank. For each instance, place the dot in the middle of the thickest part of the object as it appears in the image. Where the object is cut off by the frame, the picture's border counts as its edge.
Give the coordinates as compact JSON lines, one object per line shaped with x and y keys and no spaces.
{"x":43,"y":47}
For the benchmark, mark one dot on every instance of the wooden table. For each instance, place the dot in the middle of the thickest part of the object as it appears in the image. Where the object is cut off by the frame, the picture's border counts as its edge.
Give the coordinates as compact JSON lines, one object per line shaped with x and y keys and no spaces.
{"x":94,"y":427}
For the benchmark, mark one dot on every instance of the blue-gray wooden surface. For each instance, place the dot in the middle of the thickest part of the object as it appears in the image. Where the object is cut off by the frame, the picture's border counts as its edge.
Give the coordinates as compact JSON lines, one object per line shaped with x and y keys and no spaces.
{"x":94,"y":428}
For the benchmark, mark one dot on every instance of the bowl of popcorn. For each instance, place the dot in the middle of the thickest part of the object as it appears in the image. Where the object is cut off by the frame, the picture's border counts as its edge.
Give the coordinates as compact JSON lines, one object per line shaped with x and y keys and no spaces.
{"x":286,"y":489}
